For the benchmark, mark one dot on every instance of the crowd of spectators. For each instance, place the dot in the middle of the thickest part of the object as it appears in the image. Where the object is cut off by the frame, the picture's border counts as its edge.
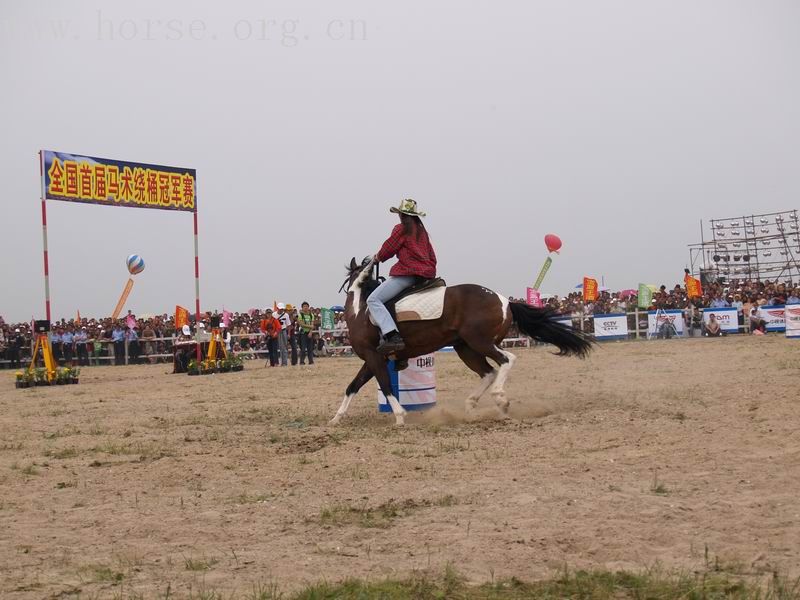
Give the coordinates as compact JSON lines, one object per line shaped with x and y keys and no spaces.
{"x":745,"y":296}
{"x":84,"y":342}
{"x":132,"y":339}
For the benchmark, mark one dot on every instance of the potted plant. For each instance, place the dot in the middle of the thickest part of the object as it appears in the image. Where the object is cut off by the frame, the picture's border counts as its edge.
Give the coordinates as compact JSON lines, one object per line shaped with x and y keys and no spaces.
{"x":60,"y":377}
{"x":237,"y":364}
{"x":20,"y":379}
{"x":192,"y":368}
{"x":29,"y":378}
{"x":75,"y":375}
{"x":225,"y":365}
{"x":40,"y":376}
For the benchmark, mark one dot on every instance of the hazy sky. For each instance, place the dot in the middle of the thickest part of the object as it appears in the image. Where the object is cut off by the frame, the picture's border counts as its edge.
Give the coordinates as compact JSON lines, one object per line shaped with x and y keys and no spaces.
{"x":616,"y":124}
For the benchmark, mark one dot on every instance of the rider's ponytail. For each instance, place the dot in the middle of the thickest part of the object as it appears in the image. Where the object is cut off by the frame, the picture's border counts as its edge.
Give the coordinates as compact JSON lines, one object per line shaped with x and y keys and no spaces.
{"x":412,"y":225}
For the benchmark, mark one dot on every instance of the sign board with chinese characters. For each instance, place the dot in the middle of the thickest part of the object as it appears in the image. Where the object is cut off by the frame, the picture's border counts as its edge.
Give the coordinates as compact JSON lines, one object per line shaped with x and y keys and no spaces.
{"x":774,"y":316}
{"x":792,"y":319}
{"x":326,"y":319}
{"x":76,"y":178}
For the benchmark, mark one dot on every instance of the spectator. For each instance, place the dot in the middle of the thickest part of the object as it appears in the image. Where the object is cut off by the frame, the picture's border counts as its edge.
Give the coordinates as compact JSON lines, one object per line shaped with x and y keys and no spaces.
{"x":713,"y":328}
{"x":283,"y":335}
{"x":80,"y":340}
{"x":118,"y":338}
{"x":271,"y":328}
{"x":306,"y":322}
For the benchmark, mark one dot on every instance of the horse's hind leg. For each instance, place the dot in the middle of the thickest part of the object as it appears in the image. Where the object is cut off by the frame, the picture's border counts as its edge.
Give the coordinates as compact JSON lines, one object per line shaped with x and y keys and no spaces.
{"x":363,"y":376}
{"x":477,"y":363}
{"x":505,"y":360}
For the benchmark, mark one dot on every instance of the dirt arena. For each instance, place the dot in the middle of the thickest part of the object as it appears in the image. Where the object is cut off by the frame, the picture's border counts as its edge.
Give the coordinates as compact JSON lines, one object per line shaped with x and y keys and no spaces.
{"x":138,"y":483}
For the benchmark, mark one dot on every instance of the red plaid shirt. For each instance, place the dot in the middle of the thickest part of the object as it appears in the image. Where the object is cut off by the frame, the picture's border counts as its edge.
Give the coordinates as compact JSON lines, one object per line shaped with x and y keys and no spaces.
{"x":415,"y":257}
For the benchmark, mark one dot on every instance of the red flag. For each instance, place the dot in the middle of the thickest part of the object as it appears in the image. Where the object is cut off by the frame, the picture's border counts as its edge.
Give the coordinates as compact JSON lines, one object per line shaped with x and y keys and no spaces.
{"x":181,"y":316}
{"x":693,"y":287}
{"x":589,"y":289}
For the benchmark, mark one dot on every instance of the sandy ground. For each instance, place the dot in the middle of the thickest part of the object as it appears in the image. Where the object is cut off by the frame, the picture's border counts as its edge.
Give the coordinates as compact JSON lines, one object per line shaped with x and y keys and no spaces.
{"x":138,"y":482}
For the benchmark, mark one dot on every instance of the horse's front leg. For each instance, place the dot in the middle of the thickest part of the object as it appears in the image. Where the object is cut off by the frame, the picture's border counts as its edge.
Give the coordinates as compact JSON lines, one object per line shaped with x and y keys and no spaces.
{"x":363,"y":376}
{"x":378,"y":365}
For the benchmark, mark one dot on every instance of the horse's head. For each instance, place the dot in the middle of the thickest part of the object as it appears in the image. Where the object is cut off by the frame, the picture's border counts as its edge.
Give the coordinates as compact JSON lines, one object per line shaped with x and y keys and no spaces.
{"x":357,"y":273}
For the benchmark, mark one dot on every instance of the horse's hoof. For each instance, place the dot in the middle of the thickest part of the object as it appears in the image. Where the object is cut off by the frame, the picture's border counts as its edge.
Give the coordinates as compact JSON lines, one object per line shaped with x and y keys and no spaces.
{"x":335,"y":420}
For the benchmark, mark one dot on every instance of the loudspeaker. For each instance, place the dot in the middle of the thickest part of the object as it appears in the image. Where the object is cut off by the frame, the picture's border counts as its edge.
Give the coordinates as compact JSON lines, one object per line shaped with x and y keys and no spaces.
{"x":42,"y":326}
{"x":215,"y":322}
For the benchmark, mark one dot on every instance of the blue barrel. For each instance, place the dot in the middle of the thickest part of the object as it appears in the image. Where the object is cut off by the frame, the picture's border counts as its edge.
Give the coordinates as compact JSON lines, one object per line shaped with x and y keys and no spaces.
{"x":414,"y":386}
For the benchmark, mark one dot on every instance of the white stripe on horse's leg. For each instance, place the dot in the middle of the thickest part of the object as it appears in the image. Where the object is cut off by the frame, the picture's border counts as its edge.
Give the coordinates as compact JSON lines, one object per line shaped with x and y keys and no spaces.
{"x":486,"y":381}
{"x":342,"y":409}
{"x":498,"y":388}
{"x":399,"y":411}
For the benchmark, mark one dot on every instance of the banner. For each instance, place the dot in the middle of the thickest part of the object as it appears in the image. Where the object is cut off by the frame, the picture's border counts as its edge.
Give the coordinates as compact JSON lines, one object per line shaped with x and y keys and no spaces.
{"x":181,"y":317}
{"x":534,"y":297}
{"x":130,"y":321}
{"x":547,"y":262}
{"x":728,"y":318}
{"x":226,"y":318}
{"x":122,"y":299}
{"x":774,"y":316}
{"x":673,"y":316}
{"x":792,"y":317}
{"x":77,"y":178}
{"x":326,"y":318}
{"x":611,"y":327}
{"x":693,"y":287}
{"x":589,"y":289}
{"x":645,"y":295}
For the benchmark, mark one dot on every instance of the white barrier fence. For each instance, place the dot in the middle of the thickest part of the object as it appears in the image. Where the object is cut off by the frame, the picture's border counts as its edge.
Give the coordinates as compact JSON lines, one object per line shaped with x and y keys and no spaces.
{"x":634,"y":325}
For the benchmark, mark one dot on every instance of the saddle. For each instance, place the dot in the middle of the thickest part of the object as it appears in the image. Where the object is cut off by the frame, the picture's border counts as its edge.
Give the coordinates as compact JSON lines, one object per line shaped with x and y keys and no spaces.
{"x":422,"y":301}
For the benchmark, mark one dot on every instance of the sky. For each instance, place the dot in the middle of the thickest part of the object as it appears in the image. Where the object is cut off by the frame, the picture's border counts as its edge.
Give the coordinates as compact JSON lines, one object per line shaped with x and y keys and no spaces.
{"x":617,"y":125}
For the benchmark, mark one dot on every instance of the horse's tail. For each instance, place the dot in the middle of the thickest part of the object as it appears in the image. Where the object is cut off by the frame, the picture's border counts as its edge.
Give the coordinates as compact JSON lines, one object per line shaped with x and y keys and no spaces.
{"x":541,"y":324}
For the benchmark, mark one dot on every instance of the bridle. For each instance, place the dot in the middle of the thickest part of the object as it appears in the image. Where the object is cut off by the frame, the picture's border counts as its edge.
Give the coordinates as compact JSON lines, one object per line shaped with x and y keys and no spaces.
{"x":366,"y":265}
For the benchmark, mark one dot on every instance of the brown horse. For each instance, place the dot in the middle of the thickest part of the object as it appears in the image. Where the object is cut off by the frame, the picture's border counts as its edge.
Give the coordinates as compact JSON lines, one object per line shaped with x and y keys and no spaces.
{"x":474,"y":321}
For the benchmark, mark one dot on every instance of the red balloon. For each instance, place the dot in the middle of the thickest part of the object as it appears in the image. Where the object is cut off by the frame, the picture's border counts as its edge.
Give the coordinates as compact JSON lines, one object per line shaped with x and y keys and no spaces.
{"x":553,"y":242}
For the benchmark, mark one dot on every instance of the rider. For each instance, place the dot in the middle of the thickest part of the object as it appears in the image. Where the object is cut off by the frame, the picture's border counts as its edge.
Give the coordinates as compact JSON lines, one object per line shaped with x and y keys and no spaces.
{"x":415,"y":259}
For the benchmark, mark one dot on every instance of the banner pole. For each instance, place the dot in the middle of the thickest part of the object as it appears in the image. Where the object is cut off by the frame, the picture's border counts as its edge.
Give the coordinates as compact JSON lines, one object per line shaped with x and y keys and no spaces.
{"x":197,"y":289}
{"x":44,"y":240}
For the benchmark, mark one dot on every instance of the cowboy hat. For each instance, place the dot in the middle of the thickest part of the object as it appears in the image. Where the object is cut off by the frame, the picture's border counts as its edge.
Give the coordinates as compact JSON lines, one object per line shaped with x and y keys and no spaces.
{"x":407,"y":207}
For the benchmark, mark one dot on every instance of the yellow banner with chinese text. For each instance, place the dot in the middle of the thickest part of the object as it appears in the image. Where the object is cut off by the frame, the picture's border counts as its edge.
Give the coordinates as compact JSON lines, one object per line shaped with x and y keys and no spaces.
{"x":118,"y":183}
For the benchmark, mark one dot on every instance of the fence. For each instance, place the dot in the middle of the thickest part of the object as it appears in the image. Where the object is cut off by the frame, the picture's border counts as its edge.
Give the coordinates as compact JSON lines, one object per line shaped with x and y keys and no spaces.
{"x":635,"y":325}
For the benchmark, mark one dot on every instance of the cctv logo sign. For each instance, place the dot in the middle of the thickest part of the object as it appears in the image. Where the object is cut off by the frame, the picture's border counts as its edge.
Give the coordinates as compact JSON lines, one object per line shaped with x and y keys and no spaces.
{"x":611,"y":327}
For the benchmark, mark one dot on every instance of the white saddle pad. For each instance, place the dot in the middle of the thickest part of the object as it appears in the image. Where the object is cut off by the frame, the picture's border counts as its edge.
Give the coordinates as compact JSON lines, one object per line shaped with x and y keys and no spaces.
{"x":424,"y":306}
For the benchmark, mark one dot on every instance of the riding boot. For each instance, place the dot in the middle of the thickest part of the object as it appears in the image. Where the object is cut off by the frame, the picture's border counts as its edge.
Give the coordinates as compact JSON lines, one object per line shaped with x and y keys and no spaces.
{"x":391,"y":343}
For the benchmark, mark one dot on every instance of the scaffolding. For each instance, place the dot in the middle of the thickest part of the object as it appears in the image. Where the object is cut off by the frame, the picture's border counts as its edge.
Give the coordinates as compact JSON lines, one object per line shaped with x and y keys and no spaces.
{"x":761,"y":247}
